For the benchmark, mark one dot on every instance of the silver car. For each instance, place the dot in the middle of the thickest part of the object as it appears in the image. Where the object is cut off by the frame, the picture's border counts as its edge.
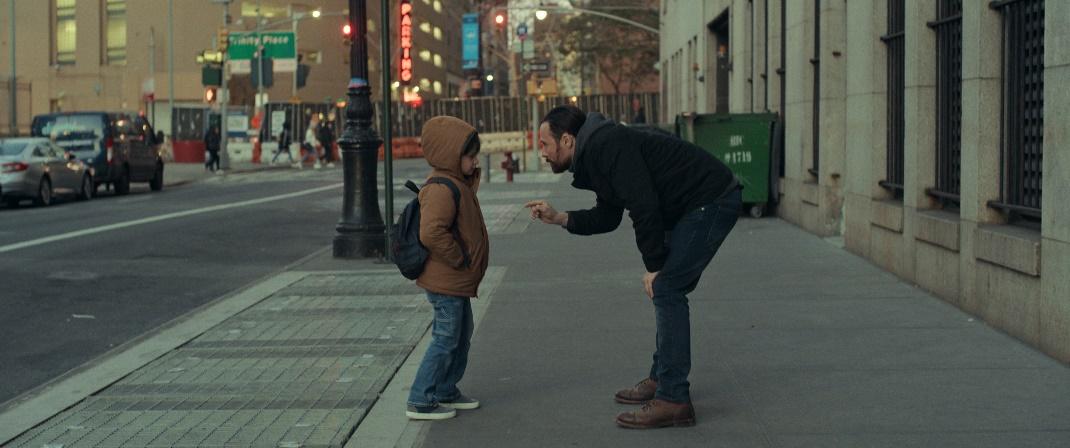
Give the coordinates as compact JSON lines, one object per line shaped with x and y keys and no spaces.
{"x":36,"y":168}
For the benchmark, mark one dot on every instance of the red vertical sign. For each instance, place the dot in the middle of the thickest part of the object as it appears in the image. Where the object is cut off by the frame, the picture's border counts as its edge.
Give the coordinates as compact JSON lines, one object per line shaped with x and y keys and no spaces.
{"x":405,"y":76}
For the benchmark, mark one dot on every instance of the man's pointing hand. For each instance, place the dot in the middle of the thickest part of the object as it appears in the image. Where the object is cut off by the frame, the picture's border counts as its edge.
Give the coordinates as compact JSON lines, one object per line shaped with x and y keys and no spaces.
{"x":543,"y":211}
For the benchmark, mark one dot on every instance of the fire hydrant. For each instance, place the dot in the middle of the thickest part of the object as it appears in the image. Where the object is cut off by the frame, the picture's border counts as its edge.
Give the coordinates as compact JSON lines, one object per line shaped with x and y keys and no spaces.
{"x":510,"y":166}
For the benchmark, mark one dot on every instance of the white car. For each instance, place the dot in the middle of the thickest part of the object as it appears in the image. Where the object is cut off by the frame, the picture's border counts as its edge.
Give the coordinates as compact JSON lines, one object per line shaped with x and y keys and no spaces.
{"x":36,"y":168}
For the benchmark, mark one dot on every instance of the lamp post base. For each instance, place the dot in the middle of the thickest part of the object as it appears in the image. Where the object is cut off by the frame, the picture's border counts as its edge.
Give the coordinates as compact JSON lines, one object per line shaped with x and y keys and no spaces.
{"x":363,"y":243}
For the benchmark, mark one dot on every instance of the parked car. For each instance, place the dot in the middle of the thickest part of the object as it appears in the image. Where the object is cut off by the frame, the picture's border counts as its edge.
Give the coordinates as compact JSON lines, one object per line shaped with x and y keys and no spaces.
{"x":36,"y":168}
{"x":120,"y":147}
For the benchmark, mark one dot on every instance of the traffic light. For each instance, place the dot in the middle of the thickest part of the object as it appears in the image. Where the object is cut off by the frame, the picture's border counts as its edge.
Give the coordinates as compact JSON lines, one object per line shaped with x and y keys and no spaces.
{"x":209,"y":95}
{"x":302,"y":74}
{"x":347,"y":33}
{"x":499,"y":21}
{"x":269,"y":71}
{"x":223,"y":39}
{"x":211,"y":75}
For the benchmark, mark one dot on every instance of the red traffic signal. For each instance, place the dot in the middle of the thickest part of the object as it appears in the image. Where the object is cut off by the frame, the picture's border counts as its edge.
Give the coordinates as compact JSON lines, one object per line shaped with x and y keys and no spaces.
{"x":499,"y":20}
{"x":209,"y":95}
{"x":347,"y":33}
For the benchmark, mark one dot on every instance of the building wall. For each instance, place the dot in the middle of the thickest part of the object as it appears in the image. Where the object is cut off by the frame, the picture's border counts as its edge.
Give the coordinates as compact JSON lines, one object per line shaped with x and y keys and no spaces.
{"x":1014,"y":276}
{"x":92,"y":84}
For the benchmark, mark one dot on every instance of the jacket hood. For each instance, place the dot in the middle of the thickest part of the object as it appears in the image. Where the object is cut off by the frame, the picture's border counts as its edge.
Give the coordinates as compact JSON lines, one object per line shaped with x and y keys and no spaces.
{"x":443,"y":140}
{"x":594,"y":122}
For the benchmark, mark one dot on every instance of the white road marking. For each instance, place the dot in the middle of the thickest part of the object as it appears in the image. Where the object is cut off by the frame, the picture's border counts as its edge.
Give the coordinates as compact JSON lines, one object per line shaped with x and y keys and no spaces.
{"x":164,"y":217}
{"x":83,"y":316}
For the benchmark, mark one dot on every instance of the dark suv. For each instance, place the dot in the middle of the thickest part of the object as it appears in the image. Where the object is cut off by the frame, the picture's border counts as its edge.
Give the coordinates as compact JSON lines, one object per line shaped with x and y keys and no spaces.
{"x":118,"y":147}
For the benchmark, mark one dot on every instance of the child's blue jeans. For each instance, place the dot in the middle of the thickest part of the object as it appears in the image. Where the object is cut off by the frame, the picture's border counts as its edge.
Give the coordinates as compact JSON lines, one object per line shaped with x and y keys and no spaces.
{"x":447,"y":356}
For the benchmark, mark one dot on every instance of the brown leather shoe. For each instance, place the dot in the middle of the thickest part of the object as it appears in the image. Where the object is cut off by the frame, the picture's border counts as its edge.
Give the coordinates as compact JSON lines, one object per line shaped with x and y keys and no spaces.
{"x":658,"y":413}
{"x":640,"y":393}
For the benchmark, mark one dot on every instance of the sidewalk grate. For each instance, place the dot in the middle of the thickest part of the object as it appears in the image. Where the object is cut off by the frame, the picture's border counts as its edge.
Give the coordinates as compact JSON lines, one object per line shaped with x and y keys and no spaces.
{"x":300,"y":368}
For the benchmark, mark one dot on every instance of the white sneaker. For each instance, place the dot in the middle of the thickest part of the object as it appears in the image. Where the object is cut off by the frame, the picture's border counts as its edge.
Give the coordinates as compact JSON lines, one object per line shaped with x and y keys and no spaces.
{"x":462,"y":402}
{"x":429,"y":413}
{"x":298,"y":165}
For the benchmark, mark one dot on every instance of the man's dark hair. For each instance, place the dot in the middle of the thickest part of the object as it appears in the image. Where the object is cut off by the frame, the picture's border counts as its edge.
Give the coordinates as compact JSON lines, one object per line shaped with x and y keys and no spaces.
{"x":564,"y":119}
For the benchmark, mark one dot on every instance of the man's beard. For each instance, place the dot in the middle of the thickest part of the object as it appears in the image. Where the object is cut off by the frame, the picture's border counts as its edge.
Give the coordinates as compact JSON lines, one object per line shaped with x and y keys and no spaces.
{"x":558,"y":168}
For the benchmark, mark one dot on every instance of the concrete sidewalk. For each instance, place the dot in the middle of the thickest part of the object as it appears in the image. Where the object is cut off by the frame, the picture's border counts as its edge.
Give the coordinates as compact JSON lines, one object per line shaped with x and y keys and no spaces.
{"x":796,"y":343}
{"x":176,"y":174}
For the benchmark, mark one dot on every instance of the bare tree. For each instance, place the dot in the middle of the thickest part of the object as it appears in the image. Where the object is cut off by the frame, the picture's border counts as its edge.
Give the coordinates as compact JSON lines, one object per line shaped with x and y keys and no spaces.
{"x":623,"y":54}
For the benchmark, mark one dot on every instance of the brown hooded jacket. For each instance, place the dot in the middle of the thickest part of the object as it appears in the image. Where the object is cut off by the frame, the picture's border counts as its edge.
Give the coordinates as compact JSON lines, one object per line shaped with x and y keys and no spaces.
{"x":443,"y":141}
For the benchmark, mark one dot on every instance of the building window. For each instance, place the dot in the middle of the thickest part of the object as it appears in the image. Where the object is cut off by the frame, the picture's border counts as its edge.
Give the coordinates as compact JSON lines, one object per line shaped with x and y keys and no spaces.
{"x":438,"y":6}
{"x":948,"y":27}
{"x":425,"y":83}
{"x":1023,"y":108}
{"x":438,"y":33}
{"x":115,"y":46}
{"x":371,"y":26}
{"x":815,"y":119}
{"x":438,"y":88}
{"x":438,"y":60}
{"x":425,"y":55}
{"x":426,"y":27}
{"x":66,"y":32}
{"x":894,"y":42}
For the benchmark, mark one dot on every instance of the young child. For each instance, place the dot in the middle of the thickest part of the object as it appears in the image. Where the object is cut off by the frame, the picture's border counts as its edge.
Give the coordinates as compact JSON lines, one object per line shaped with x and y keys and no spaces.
{"x":456,"y":238}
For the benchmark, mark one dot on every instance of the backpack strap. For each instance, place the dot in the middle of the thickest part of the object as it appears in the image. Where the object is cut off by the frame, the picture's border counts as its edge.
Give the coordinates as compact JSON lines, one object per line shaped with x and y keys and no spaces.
{"x":457,"y":206}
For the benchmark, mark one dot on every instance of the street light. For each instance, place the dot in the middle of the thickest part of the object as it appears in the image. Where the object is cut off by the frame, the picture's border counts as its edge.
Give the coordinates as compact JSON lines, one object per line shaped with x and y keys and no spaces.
{"x":490,"y":78}
{"x":316,"y":14}
{"x":541,"y":14}
{"x":361,"y":230}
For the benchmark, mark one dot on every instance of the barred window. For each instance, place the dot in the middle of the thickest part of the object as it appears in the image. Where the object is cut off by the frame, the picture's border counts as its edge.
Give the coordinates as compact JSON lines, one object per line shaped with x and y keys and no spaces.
{"x":66,"y":32}
{"x":115,"y":46}
{"x":1023,"y":108}
{"x":815,"y":61}
{"x":948,"y":27}
{"x":894,"y":42}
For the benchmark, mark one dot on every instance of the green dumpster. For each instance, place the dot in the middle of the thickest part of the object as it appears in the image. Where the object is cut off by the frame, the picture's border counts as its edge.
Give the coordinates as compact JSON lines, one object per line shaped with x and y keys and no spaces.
{"x":744,"y":142}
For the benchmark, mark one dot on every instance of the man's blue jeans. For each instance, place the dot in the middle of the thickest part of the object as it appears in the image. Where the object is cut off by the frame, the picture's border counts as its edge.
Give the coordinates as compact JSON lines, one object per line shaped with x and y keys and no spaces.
{"x":447,"y":356}
{"x":692,"y":244}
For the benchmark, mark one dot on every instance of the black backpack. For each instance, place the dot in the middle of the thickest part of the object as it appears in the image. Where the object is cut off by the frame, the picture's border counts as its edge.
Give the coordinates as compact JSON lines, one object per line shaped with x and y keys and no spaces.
{"x":408,"y":253}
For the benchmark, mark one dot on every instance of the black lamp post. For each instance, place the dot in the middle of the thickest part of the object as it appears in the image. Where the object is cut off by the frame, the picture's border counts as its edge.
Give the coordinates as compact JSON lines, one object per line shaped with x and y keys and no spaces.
{"x":361,"y":230}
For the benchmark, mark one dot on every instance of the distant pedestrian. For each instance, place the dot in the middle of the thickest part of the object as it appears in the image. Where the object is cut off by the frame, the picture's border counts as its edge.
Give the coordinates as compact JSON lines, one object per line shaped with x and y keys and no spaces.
{"x":456,"y":238}
{"x":285,"y":139}
{"x":640,"y":113}
{"x":666,"y":184}
{"x":311,"y":145}
{"x":326,"y":138}
{"x":212,"y":142}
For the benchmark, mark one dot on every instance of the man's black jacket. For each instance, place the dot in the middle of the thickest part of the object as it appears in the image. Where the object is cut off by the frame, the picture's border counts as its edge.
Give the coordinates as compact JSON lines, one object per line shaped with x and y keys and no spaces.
{"x":656,"y":177}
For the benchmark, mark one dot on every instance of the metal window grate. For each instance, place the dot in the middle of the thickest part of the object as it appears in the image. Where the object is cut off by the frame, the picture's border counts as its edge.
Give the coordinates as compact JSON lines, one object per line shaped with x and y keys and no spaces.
{"x":815,"y":61}
{"x":896,"y":73}
{"x":948,"y":27}
{"x":1023,"y":107}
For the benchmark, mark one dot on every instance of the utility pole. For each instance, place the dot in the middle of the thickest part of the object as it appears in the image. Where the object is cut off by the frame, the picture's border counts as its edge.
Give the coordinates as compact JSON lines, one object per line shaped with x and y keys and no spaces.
{"x":14,"y":78}
{"x":388,"y":156}
{"x":170,"y":64}
{"x":224,"y":95}
{"x":152,"y":74}
{"x":296,"y":16}
{"x":260,"y":58}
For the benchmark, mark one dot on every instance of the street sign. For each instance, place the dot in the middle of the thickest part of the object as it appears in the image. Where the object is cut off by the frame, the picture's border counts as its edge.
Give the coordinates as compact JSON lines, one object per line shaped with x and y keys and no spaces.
{"x":522,"y":31}
{"x":536,"y":66}
{"x":277,"y":45}
{"x":470,"y":41}
{"x":529,"y":49}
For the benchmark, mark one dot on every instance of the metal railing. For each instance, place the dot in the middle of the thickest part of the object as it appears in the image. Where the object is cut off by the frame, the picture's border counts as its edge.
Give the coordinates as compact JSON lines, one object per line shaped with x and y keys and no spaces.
{"x":896,"y":73}
{"x":486,"y":114}
{"x":948,"y":28}
{"x":1023,"y":108}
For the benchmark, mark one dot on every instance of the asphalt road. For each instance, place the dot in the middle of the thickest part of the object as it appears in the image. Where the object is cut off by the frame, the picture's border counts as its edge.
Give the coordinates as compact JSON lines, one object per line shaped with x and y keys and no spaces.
{"x":79,"y":279}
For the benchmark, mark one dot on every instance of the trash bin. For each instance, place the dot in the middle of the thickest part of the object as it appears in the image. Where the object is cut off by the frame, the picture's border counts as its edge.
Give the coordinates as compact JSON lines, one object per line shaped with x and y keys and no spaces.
{"x":744,"y":142}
